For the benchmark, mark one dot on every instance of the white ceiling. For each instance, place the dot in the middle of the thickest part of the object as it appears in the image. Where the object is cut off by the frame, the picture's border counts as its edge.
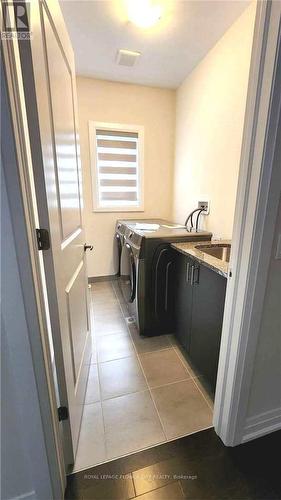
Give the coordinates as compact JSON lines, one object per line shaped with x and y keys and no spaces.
{"x":170,"y":50}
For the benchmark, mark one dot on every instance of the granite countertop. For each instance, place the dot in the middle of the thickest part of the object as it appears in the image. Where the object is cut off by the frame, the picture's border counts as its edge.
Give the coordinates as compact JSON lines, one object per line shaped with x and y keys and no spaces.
{"x":217,"y":265}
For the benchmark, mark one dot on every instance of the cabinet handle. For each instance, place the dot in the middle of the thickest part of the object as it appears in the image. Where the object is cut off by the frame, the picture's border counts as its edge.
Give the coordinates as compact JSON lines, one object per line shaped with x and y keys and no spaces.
{"x":167,"y":286}
{"x":192,"y":275}
{"x":195,"y":280}
{"x":187,"y":271}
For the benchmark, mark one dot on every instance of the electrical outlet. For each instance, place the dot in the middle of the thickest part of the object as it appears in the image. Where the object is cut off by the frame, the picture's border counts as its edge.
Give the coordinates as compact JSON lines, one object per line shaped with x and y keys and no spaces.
{"x":205,"y":205}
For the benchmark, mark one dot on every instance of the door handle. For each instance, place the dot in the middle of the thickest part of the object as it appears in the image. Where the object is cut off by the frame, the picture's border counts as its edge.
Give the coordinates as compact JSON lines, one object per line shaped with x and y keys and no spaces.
{"x":88,"y":247}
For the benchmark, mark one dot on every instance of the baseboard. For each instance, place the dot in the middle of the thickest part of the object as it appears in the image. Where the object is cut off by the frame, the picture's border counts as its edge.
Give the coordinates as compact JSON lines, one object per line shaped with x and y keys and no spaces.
{"x":262,"y":424}
{"x":97,"y":279}
{"x":25,"y":496}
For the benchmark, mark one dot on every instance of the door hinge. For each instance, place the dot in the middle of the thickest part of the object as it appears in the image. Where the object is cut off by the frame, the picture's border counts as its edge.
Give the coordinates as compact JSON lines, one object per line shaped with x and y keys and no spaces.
{"x":62,"y":413}
{"x":43,"y":239}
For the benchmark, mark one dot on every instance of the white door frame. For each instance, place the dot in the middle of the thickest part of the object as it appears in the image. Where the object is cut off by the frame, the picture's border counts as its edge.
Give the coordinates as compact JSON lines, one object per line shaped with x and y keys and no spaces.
{"x":256,"y":206}
{"x":255,"y":215}
{"x":38,"y":335}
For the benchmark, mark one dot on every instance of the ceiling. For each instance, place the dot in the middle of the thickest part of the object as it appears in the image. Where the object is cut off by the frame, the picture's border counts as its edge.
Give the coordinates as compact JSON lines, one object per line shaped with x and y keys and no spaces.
{"x":169,"y":50}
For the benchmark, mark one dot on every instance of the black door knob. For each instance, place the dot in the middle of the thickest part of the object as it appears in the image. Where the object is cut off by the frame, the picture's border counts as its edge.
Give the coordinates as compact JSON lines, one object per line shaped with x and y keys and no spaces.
{"x":88,"y":247}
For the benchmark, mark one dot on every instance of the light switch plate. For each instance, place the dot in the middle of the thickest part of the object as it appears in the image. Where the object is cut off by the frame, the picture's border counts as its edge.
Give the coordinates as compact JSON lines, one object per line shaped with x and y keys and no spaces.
{"x":278,"y":249}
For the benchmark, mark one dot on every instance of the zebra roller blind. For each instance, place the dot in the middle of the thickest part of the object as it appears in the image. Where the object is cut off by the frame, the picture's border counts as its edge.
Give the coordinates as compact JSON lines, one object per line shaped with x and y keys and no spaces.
{"x":117,"y":168}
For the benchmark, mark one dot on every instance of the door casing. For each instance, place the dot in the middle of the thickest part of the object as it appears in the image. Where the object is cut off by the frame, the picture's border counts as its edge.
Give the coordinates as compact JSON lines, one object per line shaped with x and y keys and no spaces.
{"x":234,"y":366}
{"x":21,"y":189}
{"x":255,"y":215}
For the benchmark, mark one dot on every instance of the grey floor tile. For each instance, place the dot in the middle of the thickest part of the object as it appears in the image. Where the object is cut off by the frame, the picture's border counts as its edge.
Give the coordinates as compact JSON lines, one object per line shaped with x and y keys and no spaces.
{"x":104,"y":300}
{"x":121,"y":376}
{"x":91,"y":446}
{"x":200,"y":382}
{"x":127,"y":409}
{"x":102,"y":311}
{"x":115,"y":346}
{"x":173,"y":340}
{"x":117,"y":290}
{"x":163,"y":367}
{"x":103,"y":296}
{"x":131,"y":423}
{"x":124,"y":309}
{"x":180,"y":352}
{"x":93,"y":387}
{"x":101,"y":286}
{"x":149,"y":344}
{"x":110,"y":323}
{"x":182,"y":408}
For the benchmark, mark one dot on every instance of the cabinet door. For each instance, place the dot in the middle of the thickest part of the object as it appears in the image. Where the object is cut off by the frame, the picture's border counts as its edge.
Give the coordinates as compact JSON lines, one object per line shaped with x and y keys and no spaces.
{"x":207,"y":316}
{"x":163,"y":286}
{"x":183,"y":300}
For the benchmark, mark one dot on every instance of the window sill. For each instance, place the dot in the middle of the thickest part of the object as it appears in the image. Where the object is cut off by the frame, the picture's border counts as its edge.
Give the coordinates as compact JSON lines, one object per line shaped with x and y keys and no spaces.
{"x":118,"y":210}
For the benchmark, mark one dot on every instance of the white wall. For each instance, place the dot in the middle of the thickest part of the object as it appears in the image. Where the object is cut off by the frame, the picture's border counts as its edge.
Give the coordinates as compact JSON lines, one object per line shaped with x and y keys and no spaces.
{"x":210,"y":110}
{"x":130,"y":104}
{"x":265,"y":394}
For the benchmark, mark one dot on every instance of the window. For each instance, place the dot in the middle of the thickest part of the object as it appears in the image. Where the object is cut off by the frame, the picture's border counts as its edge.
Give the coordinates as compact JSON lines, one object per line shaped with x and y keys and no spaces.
{"x":117,"y":167}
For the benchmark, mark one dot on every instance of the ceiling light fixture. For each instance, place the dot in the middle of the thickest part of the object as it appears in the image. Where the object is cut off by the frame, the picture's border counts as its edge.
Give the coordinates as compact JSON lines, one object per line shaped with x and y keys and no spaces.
{"x":144,"y":13}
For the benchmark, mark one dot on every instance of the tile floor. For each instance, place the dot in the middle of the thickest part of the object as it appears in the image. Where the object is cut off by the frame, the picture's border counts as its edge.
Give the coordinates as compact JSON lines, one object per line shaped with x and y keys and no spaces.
{"x":141,"y":391}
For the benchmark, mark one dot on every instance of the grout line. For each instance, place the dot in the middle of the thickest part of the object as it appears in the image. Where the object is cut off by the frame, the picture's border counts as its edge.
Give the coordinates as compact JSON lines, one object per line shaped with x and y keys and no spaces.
{"x":182,"y":362}
{"x":151,"y":395}
{"x":147,"y":390}
{"x":117,"y":359}
{"x":102,"y":415}
{"x":139,"y":391}
{"x":194,"y":380}
{"x":102,"y":412}
{"x":143,"y":449}
{"x":126,"y":394}
{"x":143,"y":391}
{"x":171,"y":383}
{"x":156,"y":350}
{"x":200,"y":390}
{"x":116,"y":332}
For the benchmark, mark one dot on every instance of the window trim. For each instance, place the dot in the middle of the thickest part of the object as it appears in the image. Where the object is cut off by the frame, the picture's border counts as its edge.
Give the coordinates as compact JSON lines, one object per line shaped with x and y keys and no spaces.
{"x":139,"y":129}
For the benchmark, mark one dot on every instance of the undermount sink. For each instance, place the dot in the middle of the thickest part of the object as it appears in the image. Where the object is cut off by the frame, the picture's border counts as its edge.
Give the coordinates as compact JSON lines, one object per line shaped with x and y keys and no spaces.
{"x":221,"y":252}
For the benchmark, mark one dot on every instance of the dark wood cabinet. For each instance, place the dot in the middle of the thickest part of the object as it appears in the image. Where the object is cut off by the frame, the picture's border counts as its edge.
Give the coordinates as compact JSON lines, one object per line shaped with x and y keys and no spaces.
{"x":207,"y":316}
{"x":163,"y":288}
{"x":183,"y":300}
{"x":199,"y":306}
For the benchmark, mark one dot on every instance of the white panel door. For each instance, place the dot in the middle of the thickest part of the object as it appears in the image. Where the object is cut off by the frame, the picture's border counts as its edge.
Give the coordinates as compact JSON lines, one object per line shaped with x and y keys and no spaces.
{"x":65,"y":265}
